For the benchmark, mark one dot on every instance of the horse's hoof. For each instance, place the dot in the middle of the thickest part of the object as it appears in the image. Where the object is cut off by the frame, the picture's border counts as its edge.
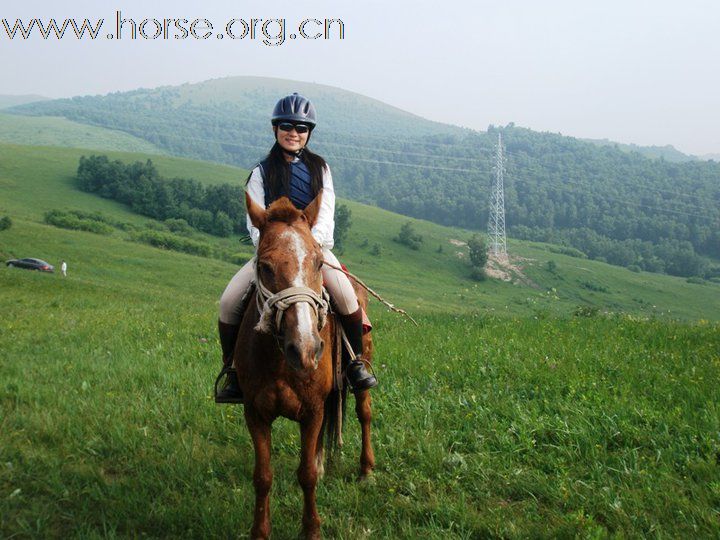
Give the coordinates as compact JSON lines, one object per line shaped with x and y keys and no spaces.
{"x":367,"y":477}
{"x":311,"y":535}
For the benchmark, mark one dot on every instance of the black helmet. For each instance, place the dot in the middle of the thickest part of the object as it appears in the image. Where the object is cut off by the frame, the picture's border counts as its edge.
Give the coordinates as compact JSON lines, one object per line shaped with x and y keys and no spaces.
{"x":294,"y":108}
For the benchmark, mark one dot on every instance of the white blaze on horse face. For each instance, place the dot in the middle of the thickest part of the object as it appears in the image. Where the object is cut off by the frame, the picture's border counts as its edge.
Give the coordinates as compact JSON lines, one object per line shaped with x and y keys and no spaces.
{"x":305,"y":323}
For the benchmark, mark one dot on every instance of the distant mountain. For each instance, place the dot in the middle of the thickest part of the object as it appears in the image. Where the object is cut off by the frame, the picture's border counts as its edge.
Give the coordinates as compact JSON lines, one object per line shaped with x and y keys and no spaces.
{"x":657,"y":214}
{"x":707,"y":157}
{"x":12,"y":101}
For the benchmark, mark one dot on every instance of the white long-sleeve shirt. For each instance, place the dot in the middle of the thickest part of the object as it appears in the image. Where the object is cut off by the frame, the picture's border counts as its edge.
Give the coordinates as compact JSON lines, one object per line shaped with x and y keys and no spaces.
{"x":324,"y":228}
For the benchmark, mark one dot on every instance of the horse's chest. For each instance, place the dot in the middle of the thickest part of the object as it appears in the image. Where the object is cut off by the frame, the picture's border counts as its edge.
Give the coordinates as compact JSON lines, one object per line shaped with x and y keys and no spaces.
{"x":290,"y":401}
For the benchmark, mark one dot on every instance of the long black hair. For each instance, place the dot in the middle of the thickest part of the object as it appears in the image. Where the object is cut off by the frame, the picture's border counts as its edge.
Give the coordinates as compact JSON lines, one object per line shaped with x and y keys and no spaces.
{"x":277,"y":171}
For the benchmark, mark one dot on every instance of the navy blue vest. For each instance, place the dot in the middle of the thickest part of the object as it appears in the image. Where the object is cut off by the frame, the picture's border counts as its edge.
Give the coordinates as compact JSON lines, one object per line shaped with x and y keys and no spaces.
{"x":300,"y":185}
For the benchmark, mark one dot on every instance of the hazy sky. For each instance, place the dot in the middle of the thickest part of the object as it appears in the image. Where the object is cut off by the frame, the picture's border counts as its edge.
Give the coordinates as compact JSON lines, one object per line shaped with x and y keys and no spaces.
{"x":632,"y":71}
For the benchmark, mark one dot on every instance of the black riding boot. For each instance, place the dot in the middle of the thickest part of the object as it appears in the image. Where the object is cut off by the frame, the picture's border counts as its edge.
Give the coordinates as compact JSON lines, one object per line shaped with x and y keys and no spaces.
{"x":230,"y":392}
{"x":357,"y":373}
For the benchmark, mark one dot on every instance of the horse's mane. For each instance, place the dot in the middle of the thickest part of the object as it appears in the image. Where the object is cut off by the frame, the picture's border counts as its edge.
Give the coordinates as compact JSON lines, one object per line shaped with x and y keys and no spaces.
{"x":283,"y":210}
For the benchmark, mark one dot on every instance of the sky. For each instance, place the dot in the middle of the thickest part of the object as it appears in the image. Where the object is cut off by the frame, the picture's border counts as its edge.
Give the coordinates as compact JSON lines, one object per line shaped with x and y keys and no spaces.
{"x":643,"y":72}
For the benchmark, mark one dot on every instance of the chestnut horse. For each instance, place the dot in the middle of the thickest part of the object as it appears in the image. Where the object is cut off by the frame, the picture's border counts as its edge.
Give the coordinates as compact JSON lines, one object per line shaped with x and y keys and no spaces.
{"x":284,"y":355}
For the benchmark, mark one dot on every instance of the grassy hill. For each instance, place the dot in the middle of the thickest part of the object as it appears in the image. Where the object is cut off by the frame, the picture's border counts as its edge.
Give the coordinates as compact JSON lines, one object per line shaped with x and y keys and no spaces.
{"x":613,"y":205}
{"x":494,"y":419}
{"x":58,"y":131}
{"x":34,"y":180}
{"x":14,"y":100}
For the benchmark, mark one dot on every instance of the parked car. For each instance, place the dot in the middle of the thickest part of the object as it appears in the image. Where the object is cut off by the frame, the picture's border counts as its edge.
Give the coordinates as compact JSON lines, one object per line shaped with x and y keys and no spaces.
{"x":31,"y":264}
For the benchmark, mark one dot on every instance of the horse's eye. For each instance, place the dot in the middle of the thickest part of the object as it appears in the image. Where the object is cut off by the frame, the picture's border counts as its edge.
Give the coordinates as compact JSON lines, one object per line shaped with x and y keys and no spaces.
{"x":266,"y":269}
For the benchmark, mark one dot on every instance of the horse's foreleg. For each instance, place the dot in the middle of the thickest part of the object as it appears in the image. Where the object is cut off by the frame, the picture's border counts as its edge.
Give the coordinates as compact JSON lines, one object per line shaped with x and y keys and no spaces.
{"x":262,"y":478}
{"x":320,"y":454}
{"x":308,"y":474}
{"x":363,"y":402}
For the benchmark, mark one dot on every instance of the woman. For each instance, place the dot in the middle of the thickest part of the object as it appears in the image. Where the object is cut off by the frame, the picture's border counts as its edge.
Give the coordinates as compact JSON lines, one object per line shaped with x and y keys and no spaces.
{"x":292,"y":170}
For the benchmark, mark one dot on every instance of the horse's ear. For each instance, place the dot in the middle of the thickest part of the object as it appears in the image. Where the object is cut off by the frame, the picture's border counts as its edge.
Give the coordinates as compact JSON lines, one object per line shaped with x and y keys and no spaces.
{"x":313,"y":209}
{"x":255,"y":212}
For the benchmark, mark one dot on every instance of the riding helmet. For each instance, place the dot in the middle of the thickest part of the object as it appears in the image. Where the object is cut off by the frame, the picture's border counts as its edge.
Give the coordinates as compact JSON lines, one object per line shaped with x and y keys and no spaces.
{"x":294,"y":108}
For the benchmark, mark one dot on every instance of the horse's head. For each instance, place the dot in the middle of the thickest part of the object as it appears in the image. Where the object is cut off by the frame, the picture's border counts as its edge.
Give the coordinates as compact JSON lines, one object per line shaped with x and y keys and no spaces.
{"x":289,"y":280}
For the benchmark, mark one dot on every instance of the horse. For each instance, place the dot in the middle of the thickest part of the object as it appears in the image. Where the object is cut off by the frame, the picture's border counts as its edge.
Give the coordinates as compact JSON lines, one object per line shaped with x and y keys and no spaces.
{"x":284,"y":357}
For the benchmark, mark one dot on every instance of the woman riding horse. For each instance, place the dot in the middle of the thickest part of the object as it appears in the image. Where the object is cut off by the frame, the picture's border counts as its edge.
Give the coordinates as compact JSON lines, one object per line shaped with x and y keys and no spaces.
{"x":292,"y":170}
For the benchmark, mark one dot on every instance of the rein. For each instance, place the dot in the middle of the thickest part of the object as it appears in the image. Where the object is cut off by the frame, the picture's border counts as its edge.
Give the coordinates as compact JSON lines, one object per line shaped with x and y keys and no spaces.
{"x":272,"y":306}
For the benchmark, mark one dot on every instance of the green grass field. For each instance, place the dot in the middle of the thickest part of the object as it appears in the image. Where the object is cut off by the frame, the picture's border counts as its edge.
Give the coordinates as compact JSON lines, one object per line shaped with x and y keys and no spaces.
{"x":502,"y":415}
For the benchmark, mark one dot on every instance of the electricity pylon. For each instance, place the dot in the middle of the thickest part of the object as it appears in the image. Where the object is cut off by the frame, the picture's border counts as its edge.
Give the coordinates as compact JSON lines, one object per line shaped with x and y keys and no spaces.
{"x":496,"y":223}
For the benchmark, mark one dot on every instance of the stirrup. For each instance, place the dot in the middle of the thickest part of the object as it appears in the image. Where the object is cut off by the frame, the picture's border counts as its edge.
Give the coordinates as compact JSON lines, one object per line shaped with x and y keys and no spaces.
{"x":219,"y":398}
{"x":368,"y":382}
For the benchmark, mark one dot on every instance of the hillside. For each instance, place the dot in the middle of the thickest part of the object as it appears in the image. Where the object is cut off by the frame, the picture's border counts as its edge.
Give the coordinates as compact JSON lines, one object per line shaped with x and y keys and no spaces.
{"x":34,"y":180}
{"x":58,"y":131}
{"x":507,"y":413}
{"x":615,"y":206}
{"x":13,"y":100}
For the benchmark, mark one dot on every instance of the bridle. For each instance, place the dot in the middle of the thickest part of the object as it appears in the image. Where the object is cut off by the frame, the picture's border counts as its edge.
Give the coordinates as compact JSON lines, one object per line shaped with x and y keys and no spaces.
{"x":272,"y":306}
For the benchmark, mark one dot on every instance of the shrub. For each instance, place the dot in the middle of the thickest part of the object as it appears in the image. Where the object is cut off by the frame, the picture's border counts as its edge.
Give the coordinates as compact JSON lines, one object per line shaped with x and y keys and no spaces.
{"x":172,"y":242}
{"x":567,"y":250}
{"x":477,"y":250}
{"x":409,"y":237}
{"x":586,"y":311}
{"x":68,"y":220}
{"x":179,"y":226}
{"x":589,"y":285}
{"x":551,"y":266}
{"x":478,"y":273}
{"x":5,"y":223}
{"x":376,"y":250}
{"x":634,"y":268}
{"x":696,"y":280}
{"x":236,"y":258}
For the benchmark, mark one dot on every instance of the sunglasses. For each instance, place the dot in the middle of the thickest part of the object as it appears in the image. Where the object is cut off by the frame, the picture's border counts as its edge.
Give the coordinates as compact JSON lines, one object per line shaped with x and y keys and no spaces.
{"x":289,"y":126}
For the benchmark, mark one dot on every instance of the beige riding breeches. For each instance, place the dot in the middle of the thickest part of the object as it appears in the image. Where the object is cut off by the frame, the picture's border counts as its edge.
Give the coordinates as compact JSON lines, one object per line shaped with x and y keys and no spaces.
{"x":337,"y":284}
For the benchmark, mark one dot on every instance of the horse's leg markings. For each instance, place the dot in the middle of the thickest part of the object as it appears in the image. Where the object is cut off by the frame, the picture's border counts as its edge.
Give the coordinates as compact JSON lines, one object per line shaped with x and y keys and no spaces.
{"x":320,"y":463}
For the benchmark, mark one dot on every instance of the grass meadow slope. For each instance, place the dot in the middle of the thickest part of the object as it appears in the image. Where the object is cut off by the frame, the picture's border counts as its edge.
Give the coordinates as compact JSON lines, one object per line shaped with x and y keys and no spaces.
{"x":57,"y":131}
{"x":502,"y":415}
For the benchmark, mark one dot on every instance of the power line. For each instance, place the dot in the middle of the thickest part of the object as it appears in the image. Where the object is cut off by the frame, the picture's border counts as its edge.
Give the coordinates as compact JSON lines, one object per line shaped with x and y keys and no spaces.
{"x":474,"y":172}
{"x":399,"y":153}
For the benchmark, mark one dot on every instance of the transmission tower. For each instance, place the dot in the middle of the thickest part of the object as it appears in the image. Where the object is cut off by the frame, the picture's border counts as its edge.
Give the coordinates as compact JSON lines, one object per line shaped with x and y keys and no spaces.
{"x":496,"y":223}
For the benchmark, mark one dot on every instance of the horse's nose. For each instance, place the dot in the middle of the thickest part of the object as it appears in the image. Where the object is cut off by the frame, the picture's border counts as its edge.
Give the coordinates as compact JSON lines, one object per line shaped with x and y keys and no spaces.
{"x":319,"y":348}
{"x":293,"y":355}
{"x":303,"y":355}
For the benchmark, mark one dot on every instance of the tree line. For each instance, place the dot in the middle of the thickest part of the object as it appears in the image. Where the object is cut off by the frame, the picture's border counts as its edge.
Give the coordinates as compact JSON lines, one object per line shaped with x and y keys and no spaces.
{"x":215,"y":209}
